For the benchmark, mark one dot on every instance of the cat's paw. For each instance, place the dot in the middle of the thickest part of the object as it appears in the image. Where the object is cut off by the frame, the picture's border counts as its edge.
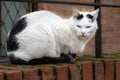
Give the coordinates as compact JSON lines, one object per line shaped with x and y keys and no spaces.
{"x":68,"y":57}
{"x":71,"y":58}
{"x":73,"y":55}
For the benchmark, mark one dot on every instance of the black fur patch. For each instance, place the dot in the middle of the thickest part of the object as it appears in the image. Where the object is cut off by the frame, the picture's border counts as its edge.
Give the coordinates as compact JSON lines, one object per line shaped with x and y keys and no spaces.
{"x":89,"y":16}
{"x":80,"y":16}
{"x":45,"y":60}
{"x":12,"y":44}
{"x":18,"y":27}
{"x":15,"y":60}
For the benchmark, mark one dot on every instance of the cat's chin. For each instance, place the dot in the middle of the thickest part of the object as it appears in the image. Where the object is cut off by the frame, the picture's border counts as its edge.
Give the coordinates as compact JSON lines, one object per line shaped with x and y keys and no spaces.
{"x":83,"y":38}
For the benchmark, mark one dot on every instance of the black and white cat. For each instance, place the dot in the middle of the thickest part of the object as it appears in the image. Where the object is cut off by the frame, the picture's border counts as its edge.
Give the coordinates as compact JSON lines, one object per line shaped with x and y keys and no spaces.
{"x":44,"y":37}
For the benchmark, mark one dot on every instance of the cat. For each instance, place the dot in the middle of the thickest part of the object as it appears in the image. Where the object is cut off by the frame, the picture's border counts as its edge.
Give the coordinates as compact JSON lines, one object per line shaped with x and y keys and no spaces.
{"x":43,"y":37}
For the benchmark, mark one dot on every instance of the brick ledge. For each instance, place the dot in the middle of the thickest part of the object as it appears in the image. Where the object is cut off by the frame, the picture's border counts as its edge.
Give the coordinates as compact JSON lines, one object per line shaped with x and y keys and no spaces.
{"x":86,"y":70}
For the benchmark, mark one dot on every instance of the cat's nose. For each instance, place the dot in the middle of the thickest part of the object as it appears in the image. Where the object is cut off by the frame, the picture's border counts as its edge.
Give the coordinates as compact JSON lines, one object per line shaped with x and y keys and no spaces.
{"x":83,"y":33}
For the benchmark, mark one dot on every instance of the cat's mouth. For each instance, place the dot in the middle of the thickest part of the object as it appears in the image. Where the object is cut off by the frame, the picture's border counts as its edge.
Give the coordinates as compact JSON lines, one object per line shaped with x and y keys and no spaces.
{"x":83,"y":37}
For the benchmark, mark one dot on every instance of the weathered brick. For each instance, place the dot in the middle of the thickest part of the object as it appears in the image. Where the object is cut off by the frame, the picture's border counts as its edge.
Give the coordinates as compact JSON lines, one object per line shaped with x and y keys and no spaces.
{"x":47,"y":73}
{"x":62,"y":72}
{"x":99,"y":70}
{"x":30,"y":74}
{"x":109,"y":69}
{"x":15,"y":75}
{"x":87,"y":70}
{"x":75,"y":72}
{"x":110,"y":10}
{"x":1,"y":76}
{"x":118,"y":70}
{"x":16,"y":67}
{"x":89,"y":1}
{"x":11,"y":74}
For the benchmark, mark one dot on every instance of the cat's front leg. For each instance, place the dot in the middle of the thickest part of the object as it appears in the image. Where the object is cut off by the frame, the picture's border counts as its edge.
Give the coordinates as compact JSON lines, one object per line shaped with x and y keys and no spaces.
{"x":73,"y":55}
{"x":69,"y":57}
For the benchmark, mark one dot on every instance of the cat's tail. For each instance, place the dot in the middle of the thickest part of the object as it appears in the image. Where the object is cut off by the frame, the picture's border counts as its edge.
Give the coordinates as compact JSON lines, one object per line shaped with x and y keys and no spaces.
{"x":45,"y":60}
{"x":53,"y":60}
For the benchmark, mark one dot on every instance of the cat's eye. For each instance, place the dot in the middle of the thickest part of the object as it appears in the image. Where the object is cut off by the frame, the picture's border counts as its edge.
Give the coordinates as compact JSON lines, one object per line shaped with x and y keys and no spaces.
{"x":79,"y":26}
{"x":88,"y":26}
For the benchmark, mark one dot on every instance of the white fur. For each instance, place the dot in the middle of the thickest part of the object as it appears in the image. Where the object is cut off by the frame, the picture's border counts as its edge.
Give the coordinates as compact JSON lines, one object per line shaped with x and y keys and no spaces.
{"x":47,"y":34}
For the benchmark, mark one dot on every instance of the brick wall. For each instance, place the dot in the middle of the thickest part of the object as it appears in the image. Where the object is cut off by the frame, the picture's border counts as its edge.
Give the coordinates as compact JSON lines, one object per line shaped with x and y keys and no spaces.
{"x":87,"y":70}
{"x":111,"y":29}
{"x":110,"y":23}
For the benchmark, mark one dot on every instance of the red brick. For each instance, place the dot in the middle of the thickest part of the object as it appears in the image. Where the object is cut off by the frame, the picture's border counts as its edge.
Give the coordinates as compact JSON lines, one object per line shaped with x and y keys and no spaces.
{"x":118,"y":70}
{"x":1,"y":76}
{"x":16,"y":75}
{"x":111,"y":21}
{"x":109,"y":70}
{"x":108,"y":29}
{"x":99,"y":70}
{"x":89,"y":1}
{"x":12,"y":75}
{"x":75,"y":72}
{"x":30,"y":74}
{"x":110,"y":10}
{"x":47,"y":73}
{"x":16,"y":67}
{"x":87,"y":70}
{"x":62,"y":72}
{"x":114,"y":2}
{"x":61,"y":9}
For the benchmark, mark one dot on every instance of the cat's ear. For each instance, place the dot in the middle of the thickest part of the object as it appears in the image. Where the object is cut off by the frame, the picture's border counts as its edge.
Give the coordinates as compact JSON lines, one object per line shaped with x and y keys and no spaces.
{"x":76,"y":14}
{"x":95,"y":14}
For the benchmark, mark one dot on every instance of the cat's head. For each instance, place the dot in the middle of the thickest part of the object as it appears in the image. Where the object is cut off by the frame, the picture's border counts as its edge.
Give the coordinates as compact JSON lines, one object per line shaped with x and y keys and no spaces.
{"x":84,"y":23}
